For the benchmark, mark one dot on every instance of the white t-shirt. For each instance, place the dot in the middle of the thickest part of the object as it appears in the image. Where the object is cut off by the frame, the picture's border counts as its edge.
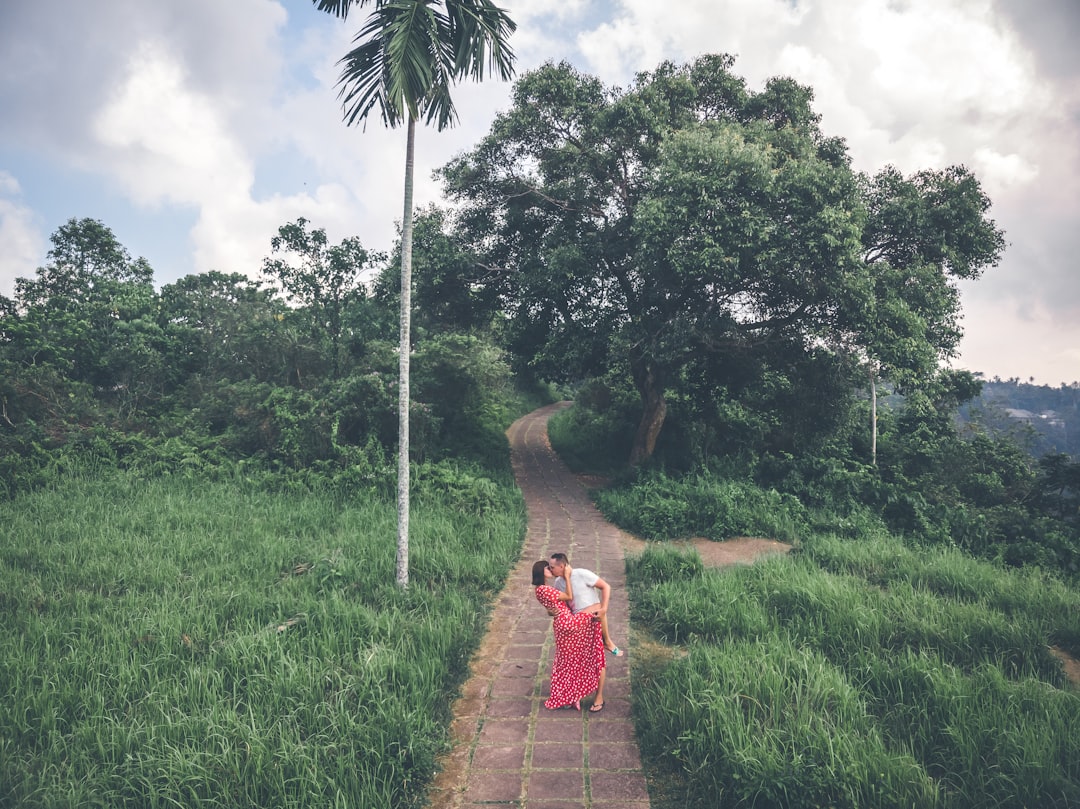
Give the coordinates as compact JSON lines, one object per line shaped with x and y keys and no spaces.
{"x":585,"y":592}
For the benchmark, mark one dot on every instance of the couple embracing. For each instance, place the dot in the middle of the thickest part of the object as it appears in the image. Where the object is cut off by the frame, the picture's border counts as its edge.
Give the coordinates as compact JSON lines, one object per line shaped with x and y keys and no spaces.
{"x":577,"y":600}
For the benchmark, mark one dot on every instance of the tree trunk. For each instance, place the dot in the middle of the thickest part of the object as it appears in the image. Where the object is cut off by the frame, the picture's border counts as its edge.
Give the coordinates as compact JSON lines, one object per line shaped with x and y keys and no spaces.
{"x":653,"y":410}
{"x":404,"y":347}
{"x":873,"y":419}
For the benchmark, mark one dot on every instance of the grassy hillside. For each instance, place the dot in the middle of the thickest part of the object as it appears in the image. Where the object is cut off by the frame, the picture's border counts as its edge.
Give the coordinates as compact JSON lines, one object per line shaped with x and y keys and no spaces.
{"x":856,"y":674}
{"x":170,"y":643}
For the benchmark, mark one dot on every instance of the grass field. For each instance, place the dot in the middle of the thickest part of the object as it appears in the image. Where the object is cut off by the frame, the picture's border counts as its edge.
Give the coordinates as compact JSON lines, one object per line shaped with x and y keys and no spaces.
{"x":166,"y":643}
{"x":169,"y":643}
{"x":858,"y":673}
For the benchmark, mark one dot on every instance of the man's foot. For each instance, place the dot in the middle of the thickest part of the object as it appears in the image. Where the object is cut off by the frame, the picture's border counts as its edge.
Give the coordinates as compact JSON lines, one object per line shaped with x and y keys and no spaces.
{"x":596,"y":707}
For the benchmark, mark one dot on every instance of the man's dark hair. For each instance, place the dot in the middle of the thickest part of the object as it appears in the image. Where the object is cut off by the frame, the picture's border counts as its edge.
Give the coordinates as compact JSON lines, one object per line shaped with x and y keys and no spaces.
{"x":559,"y":557}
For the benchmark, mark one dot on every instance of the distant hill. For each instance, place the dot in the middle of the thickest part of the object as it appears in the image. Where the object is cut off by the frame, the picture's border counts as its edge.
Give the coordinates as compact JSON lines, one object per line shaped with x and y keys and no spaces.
{"x":1044,"y":419}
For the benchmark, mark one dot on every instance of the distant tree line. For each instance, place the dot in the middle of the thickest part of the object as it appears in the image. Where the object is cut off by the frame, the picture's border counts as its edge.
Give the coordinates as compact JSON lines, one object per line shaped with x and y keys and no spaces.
{"x":293,"y":372}
{"x":1044,"y":419}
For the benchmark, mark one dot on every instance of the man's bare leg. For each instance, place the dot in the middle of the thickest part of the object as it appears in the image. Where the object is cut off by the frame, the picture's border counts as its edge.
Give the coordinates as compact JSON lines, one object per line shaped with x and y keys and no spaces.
{"x":598,"y":701}
{"x":611,"y":647}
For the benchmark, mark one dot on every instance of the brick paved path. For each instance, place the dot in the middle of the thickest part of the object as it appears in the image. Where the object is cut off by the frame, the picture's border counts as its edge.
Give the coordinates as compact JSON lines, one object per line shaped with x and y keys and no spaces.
{"x":508,"y":749}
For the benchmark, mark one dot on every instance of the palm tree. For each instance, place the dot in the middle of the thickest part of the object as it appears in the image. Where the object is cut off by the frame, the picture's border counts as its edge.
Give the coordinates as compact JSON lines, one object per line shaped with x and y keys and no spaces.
{"x":407,"y":56}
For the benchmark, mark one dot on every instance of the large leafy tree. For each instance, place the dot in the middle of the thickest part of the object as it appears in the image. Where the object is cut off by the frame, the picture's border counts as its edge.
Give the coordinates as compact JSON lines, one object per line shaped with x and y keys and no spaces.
{"x":88,"y":315}
{"x":450,"y":289}
{"x":922,"y":233}
{"x":223,"y":328}
{"x":407,"y":56}
{"x":686,"y":223}
{"x":646,"y":227}
{"x":325,"y":279}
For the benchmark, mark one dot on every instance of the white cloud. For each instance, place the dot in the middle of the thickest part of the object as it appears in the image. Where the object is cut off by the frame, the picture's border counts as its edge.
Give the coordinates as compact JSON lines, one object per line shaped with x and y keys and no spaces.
{"x":168,"y":142}
{"x":1010,"y":341}
{"x":21,"y":242}
{"x":1001,"y":172}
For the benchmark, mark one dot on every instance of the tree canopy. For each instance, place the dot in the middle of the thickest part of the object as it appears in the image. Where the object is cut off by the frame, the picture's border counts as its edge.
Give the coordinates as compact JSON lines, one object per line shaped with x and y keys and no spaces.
{"x":687,"y":216}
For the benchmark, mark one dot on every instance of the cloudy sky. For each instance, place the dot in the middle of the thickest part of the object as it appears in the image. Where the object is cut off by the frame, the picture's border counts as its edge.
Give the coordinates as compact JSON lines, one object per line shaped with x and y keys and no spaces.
{"x":194,"y":128}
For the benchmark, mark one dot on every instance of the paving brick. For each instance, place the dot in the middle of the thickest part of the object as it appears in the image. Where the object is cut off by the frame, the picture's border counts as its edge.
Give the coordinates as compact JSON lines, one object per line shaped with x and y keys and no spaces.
{"x":499,"y":757}
{"x":558,"y":755}
{"x":612,"y":731}
{"x":607,"y":756}
{"x":513,"y":687}
{"x":555,"y":785}
{"x":614,"y":708}
{"x":491,"y":787}
{"x":510,"y":707}
{"x":548,"y":729}
{"x":618,"y":788}
{"x":498,"y":731}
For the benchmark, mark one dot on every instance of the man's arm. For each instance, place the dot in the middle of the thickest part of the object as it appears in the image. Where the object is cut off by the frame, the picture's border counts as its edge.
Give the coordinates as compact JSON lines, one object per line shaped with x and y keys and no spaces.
{"x":568,"y":596}
{"x":605,"y":594}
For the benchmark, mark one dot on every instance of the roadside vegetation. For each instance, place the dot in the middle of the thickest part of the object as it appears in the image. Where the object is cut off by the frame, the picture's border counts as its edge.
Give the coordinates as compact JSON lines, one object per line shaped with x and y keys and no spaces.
{"x":197,"y":580}
{"x":871,"y":667}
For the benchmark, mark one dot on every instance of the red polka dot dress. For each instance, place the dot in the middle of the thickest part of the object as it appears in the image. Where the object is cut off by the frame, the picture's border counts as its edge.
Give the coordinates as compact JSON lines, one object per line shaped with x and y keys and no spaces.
{"x":579,"y":651}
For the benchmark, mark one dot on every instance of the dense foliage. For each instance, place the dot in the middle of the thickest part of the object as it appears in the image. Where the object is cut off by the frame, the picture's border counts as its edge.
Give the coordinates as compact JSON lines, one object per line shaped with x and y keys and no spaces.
{"x":703,"y":244}
{"x":934,"y":483}
{"x":295,"y":373}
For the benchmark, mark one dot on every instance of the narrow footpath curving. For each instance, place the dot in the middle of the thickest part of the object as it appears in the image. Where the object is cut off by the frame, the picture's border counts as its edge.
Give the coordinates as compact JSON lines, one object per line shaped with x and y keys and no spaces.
{"x":508,"y":749}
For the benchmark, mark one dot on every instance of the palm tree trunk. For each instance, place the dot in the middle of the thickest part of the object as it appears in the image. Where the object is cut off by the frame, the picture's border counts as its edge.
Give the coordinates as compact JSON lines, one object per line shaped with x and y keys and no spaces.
{"x":404,"y":347}
{"x":873,"y":418}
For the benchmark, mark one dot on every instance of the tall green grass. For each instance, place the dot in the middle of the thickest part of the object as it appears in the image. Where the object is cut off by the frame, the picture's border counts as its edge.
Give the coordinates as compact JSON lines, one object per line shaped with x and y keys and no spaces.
{"x":168,"y":644}
{"x":660,"y":507}
{"x":858,"y":674}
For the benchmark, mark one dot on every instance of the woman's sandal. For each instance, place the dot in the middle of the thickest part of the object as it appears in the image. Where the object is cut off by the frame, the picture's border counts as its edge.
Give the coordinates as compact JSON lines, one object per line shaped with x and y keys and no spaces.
{"x":617,"y":652}
{"x":596,"y":708}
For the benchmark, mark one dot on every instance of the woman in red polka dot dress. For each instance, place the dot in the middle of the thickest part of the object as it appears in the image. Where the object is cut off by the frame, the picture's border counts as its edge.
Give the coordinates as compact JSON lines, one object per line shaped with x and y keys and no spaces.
{"x":578,"y":667}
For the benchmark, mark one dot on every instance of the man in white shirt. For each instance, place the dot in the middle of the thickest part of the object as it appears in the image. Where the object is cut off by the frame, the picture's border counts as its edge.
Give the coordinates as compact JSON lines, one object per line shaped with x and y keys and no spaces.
{"x":591,"y":594}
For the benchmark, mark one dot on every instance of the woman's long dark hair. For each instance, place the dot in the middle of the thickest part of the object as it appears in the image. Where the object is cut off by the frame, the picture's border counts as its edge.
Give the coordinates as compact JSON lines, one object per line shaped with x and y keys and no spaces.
{"x":538,"y":572}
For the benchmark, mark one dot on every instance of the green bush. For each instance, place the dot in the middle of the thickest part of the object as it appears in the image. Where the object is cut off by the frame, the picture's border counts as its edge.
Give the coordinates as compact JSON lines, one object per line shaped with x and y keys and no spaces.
{"x":595,"y":435}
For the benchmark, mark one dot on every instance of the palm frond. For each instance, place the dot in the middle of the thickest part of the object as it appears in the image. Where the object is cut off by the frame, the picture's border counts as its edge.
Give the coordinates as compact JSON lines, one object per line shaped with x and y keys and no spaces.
{"x":480,"y":31}
{"x":340,"y":8}
{"x":410,"y":52}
